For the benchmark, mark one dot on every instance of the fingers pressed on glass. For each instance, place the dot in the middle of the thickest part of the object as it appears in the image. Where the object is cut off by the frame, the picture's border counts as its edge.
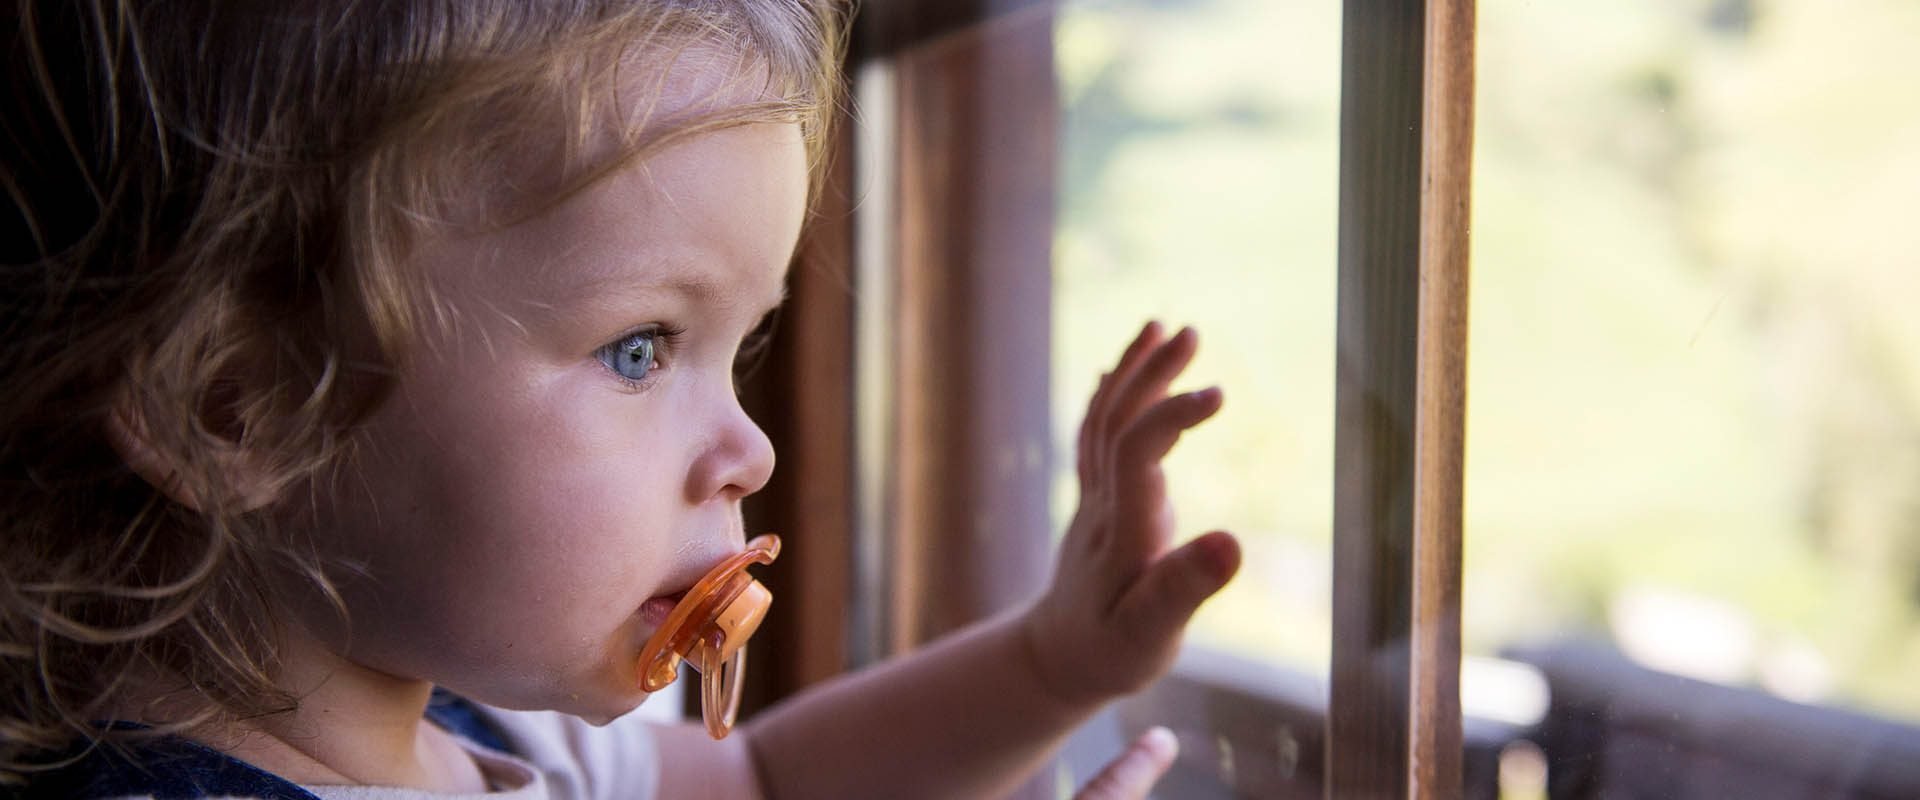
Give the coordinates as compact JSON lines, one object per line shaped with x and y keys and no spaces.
{"x":1153,"y":433}
{"x":1088,"y":461}
{"x":1104,"y":418}
{"x":1136,"y":391}
{"x":1139,"y":485}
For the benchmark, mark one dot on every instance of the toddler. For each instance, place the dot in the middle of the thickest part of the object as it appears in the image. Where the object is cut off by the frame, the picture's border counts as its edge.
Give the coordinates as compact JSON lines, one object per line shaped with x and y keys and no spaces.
{"x":370,"y":407}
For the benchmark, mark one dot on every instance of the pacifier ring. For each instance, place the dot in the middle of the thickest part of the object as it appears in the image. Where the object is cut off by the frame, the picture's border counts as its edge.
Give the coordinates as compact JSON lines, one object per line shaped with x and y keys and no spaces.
{"x":709,"y":629}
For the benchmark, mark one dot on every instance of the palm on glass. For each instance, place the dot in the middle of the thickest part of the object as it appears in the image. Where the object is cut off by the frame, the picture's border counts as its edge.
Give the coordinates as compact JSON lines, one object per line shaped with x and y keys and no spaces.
{"x":1111,"y":622}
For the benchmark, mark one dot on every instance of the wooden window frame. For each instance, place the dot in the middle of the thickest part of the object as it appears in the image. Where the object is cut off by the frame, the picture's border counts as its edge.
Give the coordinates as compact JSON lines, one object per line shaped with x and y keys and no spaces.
{"x":1406,"y":145}
{"x":915,"y":460}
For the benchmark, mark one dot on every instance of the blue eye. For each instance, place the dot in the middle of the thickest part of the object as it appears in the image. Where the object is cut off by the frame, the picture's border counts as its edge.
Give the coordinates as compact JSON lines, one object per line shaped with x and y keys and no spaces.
{"x":632,"y":357}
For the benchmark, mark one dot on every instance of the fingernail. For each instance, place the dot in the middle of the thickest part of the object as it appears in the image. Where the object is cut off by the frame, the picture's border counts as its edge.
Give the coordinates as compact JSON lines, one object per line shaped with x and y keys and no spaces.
{"x":1158,"y":738}
{"x":1209,"y":394}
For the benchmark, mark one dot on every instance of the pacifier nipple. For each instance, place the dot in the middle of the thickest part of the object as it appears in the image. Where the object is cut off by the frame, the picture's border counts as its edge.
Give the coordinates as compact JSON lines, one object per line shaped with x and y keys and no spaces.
{"x":709,"y":628}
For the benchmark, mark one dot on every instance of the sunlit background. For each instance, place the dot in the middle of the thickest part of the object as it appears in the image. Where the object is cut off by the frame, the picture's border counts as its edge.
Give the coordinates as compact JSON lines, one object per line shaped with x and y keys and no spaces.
{"x":1694,"y":401}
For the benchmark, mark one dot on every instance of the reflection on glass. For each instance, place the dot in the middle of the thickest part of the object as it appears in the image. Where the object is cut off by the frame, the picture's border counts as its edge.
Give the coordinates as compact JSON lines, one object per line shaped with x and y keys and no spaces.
{"x":1198,"y":187}
{"x":1694,"y":401}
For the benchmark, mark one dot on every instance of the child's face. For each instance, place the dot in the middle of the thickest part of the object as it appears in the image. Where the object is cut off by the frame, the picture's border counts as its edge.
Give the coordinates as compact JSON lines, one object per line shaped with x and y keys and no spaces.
{"x":537,"y":478}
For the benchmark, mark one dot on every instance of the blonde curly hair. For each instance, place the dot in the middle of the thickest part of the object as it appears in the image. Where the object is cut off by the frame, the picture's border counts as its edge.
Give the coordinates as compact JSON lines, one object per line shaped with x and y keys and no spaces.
{"x":209,"y":209}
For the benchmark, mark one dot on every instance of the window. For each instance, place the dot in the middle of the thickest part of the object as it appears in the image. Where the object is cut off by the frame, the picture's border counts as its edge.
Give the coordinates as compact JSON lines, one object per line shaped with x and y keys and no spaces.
{"x":1691,"y":469}
{"x":956,"y":190}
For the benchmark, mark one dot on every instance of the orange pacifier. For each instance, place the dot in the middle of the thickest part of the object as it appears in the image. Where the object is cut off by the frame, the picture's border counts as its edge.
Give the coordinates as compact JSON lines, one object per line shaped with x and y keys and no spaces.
{"x":709,"y":629}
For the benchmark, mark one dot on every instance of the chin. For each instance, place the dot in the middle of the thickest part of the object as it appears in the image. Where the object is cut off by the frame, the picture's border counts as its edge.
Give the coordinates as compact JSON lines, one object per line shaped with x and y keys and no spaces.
{"x":597,"y":699}
{"x":598,"y":704}
{"x":601,"y":720}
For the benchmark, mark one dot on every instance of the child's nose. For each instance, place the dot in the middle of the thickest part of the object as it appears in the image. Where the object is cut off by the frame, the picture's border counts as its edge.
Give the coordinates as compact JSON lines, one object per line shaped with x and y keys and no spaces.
{"x":737,"y":463}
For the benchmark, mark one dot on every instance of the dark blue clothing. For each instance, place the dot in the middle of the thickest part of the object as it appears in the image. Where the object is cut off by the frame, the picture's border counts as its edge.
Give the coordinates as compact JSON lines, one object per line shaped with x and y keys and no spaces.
{"x":169,"y":768}
{"x":173,"y":768}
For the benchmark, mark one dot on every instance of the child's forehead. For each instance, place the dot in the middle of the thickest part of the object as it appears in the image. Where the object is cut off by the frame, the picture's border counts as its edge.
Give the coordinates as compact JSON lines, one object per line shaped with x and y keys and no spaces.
{"x":649,"y":96}
{"x":702,"y":220}
{"x":654,"y":92}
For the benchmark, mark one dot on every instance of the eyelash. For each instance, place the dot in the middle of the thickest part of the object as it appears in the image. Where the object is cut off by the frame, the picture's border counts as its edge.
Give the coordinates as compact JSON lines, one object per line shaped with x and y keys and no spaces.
{"x":666,"y":339}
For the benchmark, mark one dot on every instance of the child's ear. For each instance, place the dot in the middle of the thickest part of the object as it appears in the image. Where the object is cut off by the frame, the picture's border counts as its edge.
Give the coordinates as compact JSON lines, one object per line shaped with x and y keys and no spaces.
{"x":170,"y":472}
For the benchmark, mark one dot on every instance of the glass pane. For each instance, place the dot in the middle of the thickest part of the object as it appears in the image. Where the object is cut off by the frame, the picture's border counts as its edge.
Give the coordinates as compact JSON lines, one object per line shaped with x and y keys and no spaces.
{"x":1198,"y":187}
{"x":1694,"y":401}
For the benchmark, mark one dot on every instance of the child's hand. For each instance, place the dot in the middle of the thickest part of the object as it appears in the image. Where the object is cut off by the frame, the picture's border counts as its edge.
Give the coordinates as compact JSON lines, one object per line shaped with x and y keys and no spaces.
{"x":1111,"y":622}
{"x":1129,"y":776}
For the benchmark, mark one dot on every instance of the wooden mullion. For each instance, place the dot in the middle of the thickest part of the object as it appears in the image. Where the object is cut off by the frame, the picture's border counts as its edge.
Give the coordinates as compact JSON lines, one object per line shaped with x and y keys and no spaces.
{"x":1374,"y":399}
{"x":1441,"y":385}
{"x":1393,"y":717}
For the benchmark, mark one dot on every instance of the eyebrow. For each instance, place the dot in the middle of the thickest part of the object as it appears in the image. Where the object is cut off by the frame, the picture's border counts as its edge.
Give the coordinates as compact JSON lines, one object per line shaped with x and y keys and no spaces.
{"x":693,"y":284}
{"x":687,"y":283}
{"x":706,"y":289}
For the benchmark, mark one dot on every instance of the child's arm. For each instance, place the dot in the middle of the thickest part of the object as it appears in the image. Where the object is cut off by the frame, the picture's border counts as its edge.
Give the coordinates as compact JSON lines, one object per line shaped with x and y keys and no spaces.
{"x":973,"y":714}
